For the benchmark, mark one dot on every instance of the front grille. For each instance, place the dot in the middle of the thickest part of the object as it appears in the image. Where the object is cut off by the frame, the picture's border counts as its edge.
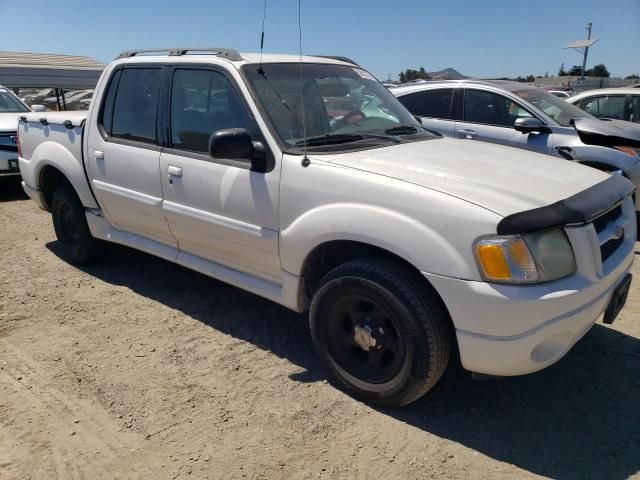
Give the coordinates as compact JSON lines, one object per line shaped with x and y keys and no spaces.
{"x":8,"y":142}
{"x":609,"y":247}
{"x":612,"y":215}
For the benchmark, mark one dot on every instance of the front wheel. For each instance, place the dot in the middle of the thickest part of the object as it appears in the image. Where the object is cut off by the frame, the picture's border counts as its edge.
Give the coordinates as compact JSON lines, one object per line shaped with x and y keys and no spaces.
{"x":72,"y":230}
{"x":381,"y":330}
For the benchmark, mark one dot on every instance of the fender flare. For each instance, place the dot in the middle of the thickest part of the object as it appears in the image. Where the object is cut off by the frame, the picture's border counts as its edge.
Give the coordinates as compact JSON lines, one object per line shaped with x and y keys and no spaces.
{"x":406,"y":237}
{"x":52,"y":154}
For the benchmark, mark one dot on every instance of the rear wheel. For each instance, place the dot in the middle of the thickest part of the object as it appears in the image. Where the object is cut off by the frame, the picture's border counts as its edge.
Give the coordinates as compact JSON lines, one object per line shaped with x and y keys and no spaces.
{"x":381,"y":330}
{"x":70,"y":225}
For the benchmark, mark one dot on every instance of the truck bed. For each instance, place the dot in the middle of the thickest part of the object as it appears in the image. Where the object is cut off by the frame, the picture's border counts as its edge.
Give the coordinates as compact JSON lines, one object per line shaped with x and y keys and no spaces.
{"x":53,"y":139}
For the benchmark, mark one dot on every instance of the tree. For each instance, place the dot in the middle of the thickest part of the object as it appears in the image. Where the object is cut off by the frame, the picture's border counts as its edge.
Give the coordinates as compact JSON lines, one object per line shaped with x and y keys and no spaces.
{"x":575,"y":71}
{"x":410,"y":74}
{"x":598,"y":71}
{"x":633,"y":76}
{"x":562,"y":72}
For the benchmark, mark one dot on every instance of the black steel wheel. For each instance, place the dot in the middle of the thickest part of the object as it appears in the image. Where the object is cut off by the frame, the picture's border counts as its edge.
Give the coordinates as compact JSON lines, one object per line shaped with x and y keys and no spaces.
{"x":381,"y":330}
{"x":72,"y":230}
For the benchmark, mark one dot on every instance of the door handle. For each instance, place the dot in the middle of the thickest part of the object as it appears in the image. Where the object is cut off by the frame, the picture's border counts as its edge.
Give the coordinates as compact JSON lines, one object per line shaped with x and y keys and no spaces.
{"x":98,"y":155}
{"x":468,"y":133}
{"x":174,"y":171}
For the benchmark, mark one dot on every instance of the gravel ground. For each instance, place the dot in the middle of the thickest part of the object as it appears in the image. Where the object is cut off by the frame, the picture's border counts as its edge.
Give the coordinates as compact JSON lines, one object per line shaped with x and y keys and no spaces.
{"x":138,"y":368}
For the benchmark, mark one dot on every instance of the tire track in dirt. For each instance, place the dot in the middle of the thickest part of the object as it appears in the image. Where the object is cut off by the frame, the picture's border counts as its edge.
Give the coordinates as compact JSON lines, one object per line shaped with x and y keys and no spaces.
{"x":83,"y":436}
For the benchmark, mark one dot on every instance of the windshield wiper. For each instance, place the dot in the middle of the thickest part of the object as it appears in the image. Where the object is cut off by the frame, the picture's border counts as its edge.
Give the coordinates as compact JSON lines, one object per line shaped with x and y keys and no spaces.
{"x":337,"y":138}
{"x":402,"y":130}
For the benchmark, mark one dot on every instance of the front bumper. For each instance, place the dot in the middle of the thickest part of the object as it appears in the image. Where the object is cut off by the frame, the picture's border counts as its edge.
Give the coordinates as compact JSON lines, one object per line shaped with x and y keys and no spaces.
{"x":518,"y":329}
{"x":9,"y":164}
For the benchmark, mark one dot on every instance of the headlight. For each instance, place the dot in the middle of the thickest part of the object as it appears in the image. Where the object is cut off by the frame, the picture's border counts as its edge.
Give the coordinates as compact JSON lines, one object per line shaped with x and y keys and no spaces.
{"x":632,"y":152}
{"x":529,"y":258}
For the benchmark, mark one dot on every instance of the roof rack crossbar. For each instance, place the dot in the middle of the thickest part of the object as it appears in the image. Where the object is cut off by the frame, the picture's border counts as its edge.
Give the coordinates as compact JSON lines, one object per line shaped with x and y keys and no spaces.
{"x":229,"y":53}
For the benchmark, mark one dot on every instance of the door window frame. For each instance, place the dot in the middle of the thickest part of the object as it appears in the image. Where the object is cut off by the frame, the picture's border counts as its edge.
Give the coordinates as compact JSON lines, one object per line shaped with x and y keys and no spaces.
{"x":165,"y":126}
{"x":117,"y":71}
{"x":430,"y":90}
{"x":463,"y":96}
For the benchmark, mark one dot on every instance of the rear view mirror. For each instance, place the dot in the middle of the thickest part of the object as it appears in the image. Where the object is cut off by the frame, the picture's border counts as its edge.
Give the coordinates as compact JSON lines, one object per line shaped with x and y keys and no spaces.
{"x":236,"y":144}
{"x":529,"y":125}
{"x":38,"y":108}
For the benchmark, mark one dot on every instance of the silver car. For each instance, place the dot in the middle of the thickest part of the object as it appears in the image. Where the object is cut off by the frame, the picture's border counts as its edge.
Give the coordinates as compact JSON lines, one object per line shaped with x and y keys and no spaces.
{"x":522,"y":116}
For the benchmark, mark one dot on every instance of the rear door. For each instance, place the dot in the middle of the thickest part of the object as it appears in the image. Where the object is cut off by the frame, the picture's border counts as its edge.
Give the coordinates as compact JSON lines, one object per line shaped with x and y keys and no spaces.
{"x":489,"y":117}
{"x":123,"y":153}
{"x":434,"y":108}
{"x":217,"y":209}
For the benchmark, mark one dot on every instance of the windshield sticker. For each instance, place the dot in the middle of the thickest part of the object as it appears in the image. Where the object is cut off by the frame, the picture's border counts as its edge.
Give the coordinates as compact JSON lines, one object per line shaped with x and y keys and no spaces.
{"x":364,"y":74}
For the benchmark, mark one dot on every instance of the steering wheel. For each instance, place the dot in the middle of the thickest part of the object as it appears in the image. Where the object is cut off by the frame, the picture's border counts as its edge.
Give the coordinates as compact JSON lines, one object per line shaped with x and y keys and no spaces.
{"x":345,"y":120}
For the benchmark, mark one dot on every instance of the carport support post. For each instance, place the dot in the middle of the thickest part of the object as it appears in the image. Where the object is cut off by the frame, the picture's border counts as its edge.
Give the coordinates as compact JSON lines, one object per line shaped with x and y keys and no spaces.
{"x":586,"y":51}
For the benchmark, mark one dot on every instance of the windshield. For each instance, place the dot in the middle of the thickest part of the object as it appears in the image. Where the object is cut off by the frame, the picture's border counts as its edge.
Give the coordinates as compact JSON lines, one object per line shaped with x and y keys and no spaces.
{"x":9,"y":103}
{"x":342,"y":104}
{"x":557,"y":108}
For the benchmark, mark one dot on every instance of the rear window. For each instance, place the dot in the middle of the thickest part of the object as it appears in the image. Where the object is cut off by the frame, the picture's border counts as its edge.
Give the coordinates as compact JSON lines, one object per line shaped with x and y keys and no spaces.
{"x":131,"y":105}
{"x":430,"y":103}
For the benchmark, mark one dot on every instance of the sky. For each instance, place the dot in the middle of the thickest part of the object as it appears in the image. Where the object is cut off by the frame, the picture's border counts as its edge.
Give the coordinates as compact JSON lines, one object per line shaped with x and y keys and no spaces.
{"x":478,"y":38}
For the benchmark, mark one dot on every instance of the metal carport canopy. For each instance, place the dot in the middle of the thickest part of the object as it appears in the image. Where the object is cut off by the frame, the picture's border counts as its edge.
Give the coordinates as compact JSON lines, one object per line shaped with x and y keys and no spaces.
{"x":43,"y":70}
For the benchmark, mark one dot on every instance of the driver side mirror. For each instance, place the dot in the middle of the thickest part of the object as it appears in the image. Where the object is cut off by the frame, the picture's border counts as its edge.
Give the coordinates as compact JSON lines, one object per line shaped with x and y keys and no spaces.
{"x":38,"y":108}
{"x":236,"y":144}
{"x":529,"y":125}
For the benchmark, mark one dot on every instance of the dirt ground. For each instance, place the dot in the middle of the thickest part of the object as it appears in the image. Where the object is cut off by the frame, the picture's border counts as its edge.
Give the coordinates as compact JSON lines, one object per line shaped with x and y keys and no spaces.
{"x":137,"y":368}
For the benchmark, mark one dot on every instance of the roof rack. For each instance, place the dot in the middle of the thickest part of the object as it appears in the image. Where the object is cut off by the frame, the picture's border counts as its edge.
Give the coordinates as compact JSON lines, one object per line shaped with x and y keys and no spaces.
{"x":229,"y":53}
{"x":337,"y":57}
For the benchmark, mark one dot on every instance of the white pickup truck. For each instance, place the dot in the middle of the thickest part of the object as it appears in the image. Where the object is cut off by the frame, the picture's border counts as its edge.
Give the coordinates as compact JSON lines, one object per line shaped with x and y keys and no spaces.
{"x":259,"y":171}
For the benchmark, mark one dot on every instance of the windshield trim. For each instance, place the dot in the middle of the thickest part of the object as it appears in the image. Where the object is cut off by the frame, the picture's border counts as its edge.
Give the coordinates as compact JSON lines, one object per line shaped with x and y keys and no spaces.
{"x":300,"y":150}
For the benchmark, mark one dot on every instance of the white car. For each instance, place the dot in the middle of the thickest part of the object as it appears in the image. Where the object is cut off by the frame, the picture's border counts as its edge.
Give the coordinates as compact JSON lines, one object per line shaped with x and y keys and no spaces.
{"x":10,"y":109}
{"x":397,"y":241}
{"x":610,"y":103}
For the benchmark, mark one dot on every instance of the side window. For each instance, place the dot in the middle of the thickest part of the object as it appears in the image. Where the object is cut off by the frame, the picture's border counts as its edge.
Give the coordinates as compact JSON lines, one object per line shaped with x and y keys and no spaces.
{"x":202,"y":102}
{"x":612,"y":106}
{"x":590,"y":105}
{"x":491,"y":109}
{"x":430,"y":103}
{"x":135,"y":105}
{"x":106,"y":115}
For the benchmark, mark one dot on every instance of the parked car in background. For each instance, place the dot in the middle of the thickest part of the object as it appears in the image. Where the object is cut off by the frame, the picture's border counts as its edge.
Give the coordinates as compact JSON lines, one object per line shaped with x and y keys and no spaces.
{"x":10,"y":109}
{"x":611,"y":103}
{"x":521,"y":116}
{"x":398,"y":242}
{"x":72,"y":100}
{"x":39,"y":96}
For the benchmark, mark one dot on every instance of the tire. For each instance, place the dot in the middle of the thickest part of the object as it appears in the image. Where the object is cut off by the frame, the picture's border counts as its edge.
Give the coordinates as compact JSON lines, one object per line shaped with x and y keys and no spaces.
{"x":381,"y":330}
{"x":72,"y":230}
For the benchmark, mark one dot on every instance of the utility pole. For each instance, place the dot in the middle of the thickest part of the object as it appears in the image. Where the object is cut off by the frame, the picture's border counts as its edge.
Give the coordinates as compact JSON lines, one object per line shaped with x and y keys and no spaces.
{"x":586,"y":50}
{"x":582,"y":46}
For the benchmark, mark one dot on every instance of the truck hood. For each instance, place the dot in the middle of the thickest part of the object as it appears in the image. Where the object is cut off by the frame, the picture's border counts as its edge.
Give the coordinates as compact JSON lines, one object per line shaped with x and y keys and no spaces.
{"x":502,"y":179}
{"x":9,"y":121}
{"x":608,"y":133}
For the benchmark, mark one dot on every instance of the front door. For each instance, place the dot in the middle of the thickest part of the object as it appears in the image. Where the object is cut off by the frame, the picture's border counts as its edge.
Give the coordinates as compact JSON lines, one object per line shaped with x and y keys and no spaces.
{"x":123,"y":154}
{"x":489,"y":117}
{"x":217,"y":209}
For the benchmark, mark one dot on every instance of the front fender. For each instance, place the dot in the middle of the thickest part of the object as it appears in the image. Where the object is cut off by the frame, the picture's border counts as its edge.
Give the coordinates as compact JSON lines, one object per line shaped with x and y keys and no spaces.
{"x":404,"y":236}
